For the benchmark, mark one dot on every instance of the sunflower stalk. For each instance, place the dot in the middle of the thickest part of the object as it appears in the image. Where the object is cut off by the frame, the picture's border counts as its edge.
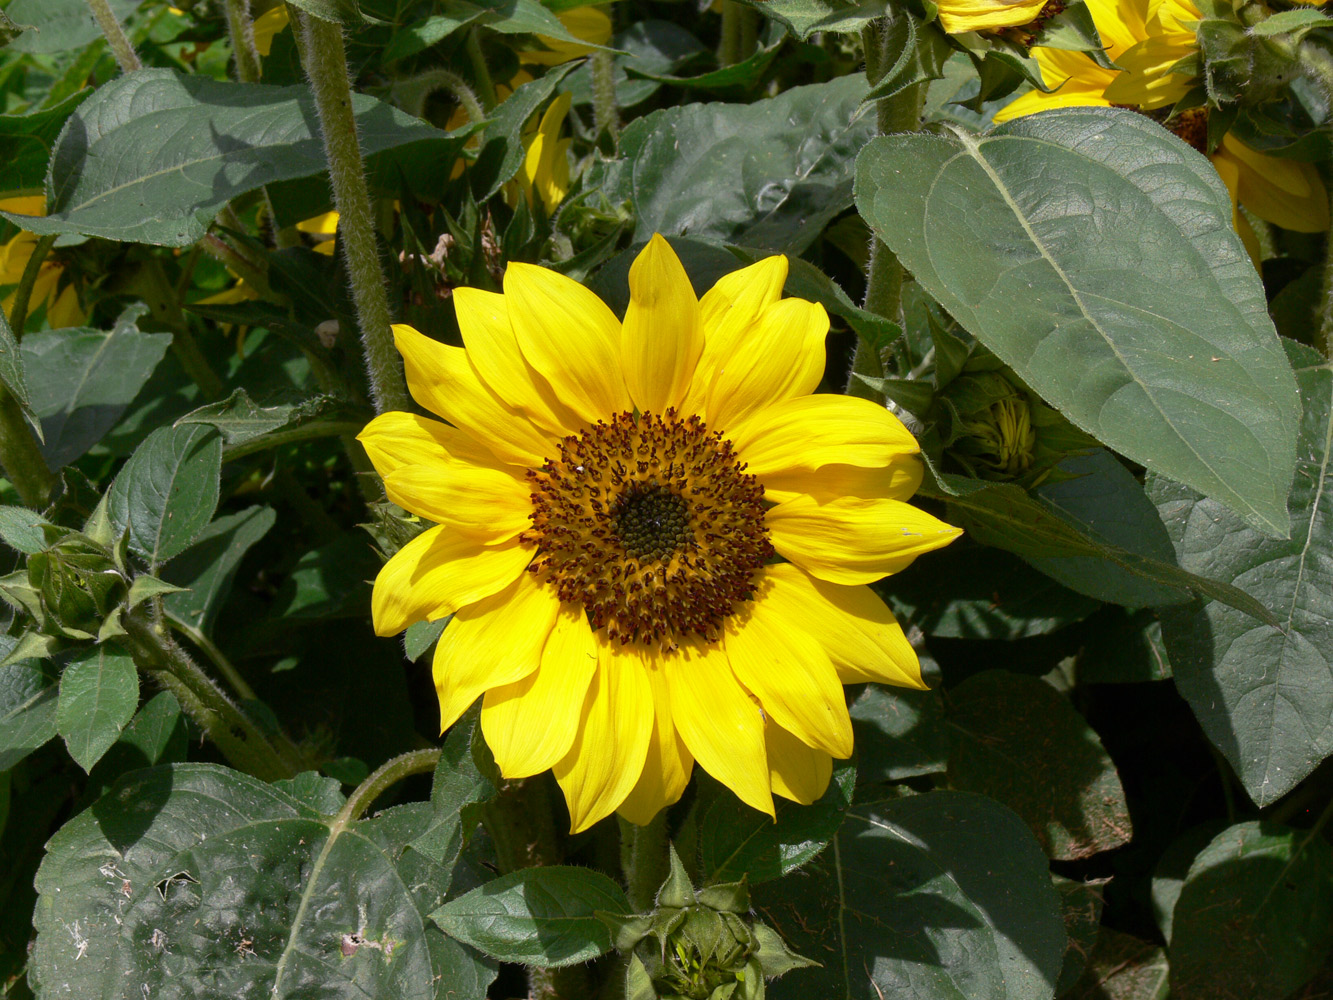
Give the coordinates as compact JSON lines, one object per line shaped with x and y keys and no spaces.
{"x":18,"y":314}
{"x":413,"y":93}
{"x":900,"y":112}
{"x":644,"y":859}
{"x":1324,"y":330}
{"x":385,"y":777}
{"x":605,"y":113}
{"x":241,"y":28}
{"x":126,"y":57}
{"x":481,"y":73}
{"x":20,"y":457}
{"x":246,"y":748}
{"x":325,"y":63}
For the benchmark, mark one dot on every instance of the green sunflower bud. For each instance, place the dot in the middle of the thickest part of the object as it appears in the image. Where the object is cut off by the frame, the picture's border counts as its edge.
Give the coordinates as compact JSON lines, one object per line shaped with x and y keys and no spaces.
{"x":79,"y":584}
{"x":699,"y":945}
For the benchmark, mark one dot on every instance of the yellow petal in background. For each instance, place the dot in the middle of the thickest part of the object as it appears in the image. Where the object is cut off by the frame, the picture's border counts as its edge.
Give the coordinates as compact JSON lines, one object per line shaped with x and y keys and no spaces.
{"x":853,"y":541}
{"x":588,"y":22}
{"x":444,"y":380}
{"x":789,"y":672}
{"x":782,"y":357}
{"x":570,"y":337}
{"x":608,"y":754}
{"x":267,"y":25}
{"x":796,"y":771}
{"x":439,"y":572}
{"x":857,"y":630}
{"x":719,"y":722}
{"x":1287,"y":193}
{"x":531,"y":724}
{"x":663,"y":333}
{"x":666,"y":770}
{"x":496,"y":641}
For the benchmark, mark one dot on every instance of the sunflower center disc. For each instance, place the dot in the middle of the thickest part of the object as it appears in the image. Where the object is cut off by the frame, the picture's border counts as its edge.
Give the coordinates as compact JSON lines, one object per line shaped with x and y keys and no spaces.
{"x":652,"y":525}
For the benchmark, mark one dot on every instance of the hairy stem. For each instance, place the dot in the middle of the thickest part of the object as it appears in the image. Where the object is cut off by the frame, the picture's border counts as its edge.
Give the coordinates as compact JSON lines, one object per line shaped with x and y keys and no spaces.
{"x":385,"y":777}
{"x":481,"y":73}
{"x":160,"y":657}
{"x":606,"y":116}
{"x":411,"y":94}
{"x":326,"y":67}
{"x":241,"y":28}
{"x":643,"y":856}
{"x":18,"y":313}
{"x":729,"y":52}
{"x":126,"y":57}
{"x":1323,"y":339}
{"x":19,"y":455}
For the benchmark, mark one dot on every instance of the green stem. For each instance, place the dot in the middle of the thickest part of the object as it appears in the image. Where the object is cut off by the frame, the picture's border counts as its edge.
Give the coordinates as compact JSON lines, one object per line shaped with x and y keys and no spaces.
{"x":18,"y":315}
{"x":643,"y":856}
{"x":227,"y":255}
{"x":384,"y":777}
{"x":606,"y":116}
{"x":165,"y":309}
{"x":411,"y":94}
{"x":481,"y":73}
{"x":749,"y":32}
{"x":160,"y":657}
{"x":326,"y":68}
{"x":305,"y":432}
{"x":219,"y":659}
{"x":19,"y":455}
{"x":1323,"y":339}
{"x":121,"y":48}
{"x":242,"y":31}
{"x":729,"y":52}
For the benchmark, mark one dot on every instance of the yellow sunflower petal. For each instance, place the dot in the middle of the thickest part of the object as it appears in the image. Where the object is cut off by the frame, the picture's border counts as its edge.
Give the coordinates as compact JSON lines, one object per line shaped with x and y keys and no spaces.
{"x":496,"y":641}
{"x":24,"y":204}
{"x":781,"y":357}
{"x":719,"y":722}
{"x":439,"y":572}
{"x":896,"y":481}
{"x":395,"y":439}
{"x":65,"y":311}
{"x":1148,"y":82}
{"x":958,"y":16}
{"x":492,"y":347}
{"x":856,"y":628}
{"x":15,"y":258}
{"x":663,"y":335}
{"x":531,"y":724}
{"x":485,"y":504}
{"x":666,"y":771}
{"x":852,"y":540}
{"x":727,"y":312}
{"x":570,"y":337}
{"x":812,"y":431}
{"x":788,"y":671}
{"x":796,"y":771}
{"x":608,"y":754}
{"x":1287,"y":193}
{"x":444,"y":380}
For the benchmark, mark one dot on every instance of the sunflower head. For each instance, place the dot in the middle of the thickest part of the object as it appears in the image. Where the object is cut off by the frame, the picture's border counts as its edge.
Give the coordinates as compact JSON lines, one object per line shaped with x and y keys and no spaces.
{"x":653,"y":538}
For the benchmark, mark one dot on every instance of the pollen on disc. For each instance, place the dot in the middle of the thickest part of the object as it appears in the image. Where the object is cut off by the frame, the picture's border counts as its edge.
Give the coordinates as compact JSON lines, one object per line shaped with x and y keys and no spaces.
{"x":652,"y":525}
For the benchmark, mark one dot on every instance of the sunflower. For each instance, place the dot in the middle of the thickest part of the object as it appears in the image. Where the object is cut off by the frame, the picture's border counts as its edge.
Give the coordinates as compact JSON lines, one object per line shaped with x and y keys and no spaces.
{"x":958,"y":16}
{"x":1148,"y":81}
{"x":610,"y":502}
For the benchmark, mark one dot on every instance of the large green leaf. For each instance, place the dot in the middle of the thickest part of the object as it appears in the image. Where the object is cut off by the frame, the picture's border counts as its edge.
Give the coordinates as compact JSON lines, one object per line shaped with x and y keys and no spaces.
{"x":167,"y":492}
{"x":153,"y":155}
{"x":944,"y":895}
{"x":1094,"y":253}
{"x":195,"y":880}
{"x":99,"y":691}
{"x":1254,"y":919}
{"x":82,"y":380}
{"x":26,"y":141}
{"x":738,"y":842}
{"x":1122,"y":967}
{"x":57,"y":25}
{"x":770,"y":174}
{"x":538,"y":916}
{"x":502,"y":150}
{"x":900,"y":732}
{"x":207,"y":567}
{"x":1020,"y":741}
{"x":28,"y":693}
{"x":1263,"y":695}
{"x":805,"y":17}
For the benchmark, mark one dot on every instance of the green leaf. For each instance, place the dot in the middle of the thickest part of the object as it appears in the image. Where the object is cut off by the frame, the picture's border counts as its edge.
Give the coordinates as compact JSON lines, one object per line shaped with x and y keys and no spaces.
{"x":805,"y":17}
{"x":1296,"y":22}
{"x":1254,"y":916}
{"x":745,"y":73}
{"x":742,"y":173}
{"x":12,"y":376}
{"x":536,"y":916}
{"x":517,"y":17}
{"x":26,"y":140}
{"x":1160,"y":344}
{"x":247,"y":427}
{"x":167,"y":491}
{"x":28,"y":693}
{"x":153,"y":155}
{"x":196,"y":877}
{"x":413,"y":38}
{"x":914,"y":53}
{"x":1021,"y":742}
{"x":652,"y":48}
{"x":900,"y":733}
{"x":502,"y":152}
{"x":1003,"y":515}
{"x":346,"y":12}
{"x":420,"y":636}
{"x":1081,"y":904}
{"x":58,"y":25}
{"x":739,"y":842}
{"x":82,"y":380}
{"x":144,"y":587}
{"x":458,"y":789}
{"x":1264,"y":696}
{"x":207,"y":567}
{"x":1122,"y":967}
{"x":99,"y":692}
{"x":21,"y":529}
{"x":1122,"y":647}
{"x":157,"y":730}
{"x":942,"y":895}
